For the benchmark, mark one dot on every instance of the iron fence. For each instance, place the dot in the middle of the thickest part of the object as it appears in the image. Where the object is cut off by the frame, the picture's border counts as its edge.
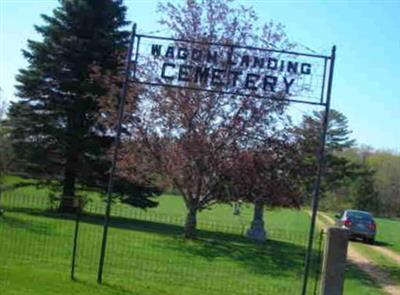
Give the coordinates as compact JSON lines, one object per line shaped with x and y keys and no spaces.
{"x":147,"y":249}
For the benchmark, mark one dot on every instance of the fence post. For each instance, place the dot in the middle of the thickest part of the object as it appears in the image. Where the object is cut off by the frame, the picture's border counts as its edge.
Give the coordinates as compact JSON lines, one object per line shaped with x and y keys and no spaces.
{"x":319,"y":266}
{"x":75,"y":244}
{"x":334,"y":265}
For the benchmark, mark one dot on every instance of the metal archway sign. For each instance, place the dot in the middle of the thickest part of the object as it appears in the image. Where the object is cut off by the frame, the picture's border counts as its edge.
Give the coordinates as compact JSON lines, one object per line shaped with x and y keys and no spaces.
{"x":229,"y":69}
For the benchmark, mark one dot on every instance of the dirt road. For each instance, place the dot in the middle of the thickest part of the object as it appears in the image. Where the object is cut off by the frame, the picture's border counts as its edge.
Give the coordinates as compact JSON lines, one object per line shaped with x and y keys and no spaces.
{"x":377,"y":273}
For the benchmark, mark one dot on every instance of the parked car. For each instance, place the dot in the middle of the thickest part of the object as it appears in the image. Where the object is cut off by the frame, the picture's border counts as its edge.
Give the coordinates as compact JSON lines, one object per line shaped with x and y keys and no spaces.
{"x":360,"y":223}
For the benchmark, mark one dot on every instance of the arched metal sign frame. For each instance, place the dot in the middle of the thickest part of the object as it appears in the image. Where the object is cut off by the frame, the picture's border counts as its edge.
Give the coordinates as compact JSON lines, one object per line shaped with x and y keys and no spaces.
{"x":324,"y":101}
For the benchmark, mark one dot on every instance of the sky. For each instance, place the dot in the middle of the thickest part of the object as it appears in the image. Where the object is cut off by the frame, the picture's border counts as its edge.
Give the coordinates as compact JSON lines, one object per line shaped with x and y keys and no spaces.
{"x":366,"y":33}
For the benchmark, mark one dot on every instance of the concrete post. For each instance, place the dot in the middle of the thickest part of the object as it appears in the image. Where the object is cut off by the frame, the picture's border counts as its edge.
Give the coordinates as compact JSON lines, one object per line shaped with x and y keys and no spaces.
{"x":333,"y":269}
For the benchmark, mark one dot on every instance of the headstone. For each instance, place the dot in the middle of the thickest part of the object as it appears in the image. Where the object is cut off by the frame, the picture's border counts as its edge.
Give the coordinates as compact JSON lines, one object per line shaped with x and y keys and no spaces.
{"x":257,"y":231}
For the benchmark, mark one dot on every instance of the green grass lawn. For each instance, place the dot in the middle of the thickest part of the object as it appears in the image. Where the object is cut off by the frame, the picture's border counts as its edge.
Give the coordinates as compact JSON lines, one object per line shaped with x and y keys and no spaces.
{"x":34,"y":280}
{"x":146,"y":253}
{"x":153,"y":254}
{"x":389,"y":233}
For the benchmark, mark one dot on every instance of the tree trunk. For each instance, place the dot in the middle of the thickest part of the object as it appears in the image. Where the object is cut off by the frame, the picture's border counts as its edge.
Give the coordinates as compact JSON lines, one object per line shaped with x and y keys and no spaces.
{"x":257,"y":231}
{"x":191,"y":222}
{"x":68,"y":204}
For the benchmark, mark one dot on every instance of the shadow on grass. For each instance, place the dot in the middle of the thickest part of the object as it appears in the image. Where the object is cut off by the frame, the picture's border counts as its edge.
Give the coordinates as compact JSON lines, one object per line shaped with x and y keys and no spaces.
{"x":391,"y":273}
{"x":162,"y":227}
{"x":382,"y":244}
{"x":36,"y":227}
{"x":273,"y":258}
{"x":355,"y":273}
{"x":394,"y":272}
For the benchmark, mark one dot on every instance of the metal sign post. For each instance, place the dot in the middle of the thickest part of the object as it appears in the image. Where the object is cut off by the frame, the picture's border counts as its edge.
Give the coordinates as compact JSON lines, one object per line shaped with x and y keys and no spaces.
{"x":124,"y":91}
{"x":320,"y":170}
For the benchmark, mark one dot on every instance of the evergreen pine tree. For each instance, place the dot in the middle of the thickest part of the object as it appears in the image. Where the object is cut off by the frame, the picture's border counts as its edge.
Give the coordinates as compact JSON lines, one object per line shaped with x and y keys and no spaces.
{"x":55,"y":128}
{"x":338,"y":169}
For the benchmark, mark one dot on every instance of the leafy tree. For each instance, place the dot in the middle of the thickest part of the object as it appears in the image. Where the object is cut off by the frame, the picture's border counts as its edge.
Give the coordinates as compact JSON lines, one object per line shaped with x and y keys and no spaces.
{"x":365,"y":194}
{"x":267,"y":176}
{"x":379,"y":169}
{"x":190,"y":138}
{"x":55,"y":127}
{"x":386,"y":179}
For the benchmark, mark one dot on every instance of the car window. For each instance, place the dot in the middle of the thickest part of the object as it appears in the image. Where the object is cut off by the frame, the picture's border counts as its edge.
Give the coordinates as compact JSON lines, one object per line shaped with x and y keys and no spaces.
{"x":359,"y":215}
